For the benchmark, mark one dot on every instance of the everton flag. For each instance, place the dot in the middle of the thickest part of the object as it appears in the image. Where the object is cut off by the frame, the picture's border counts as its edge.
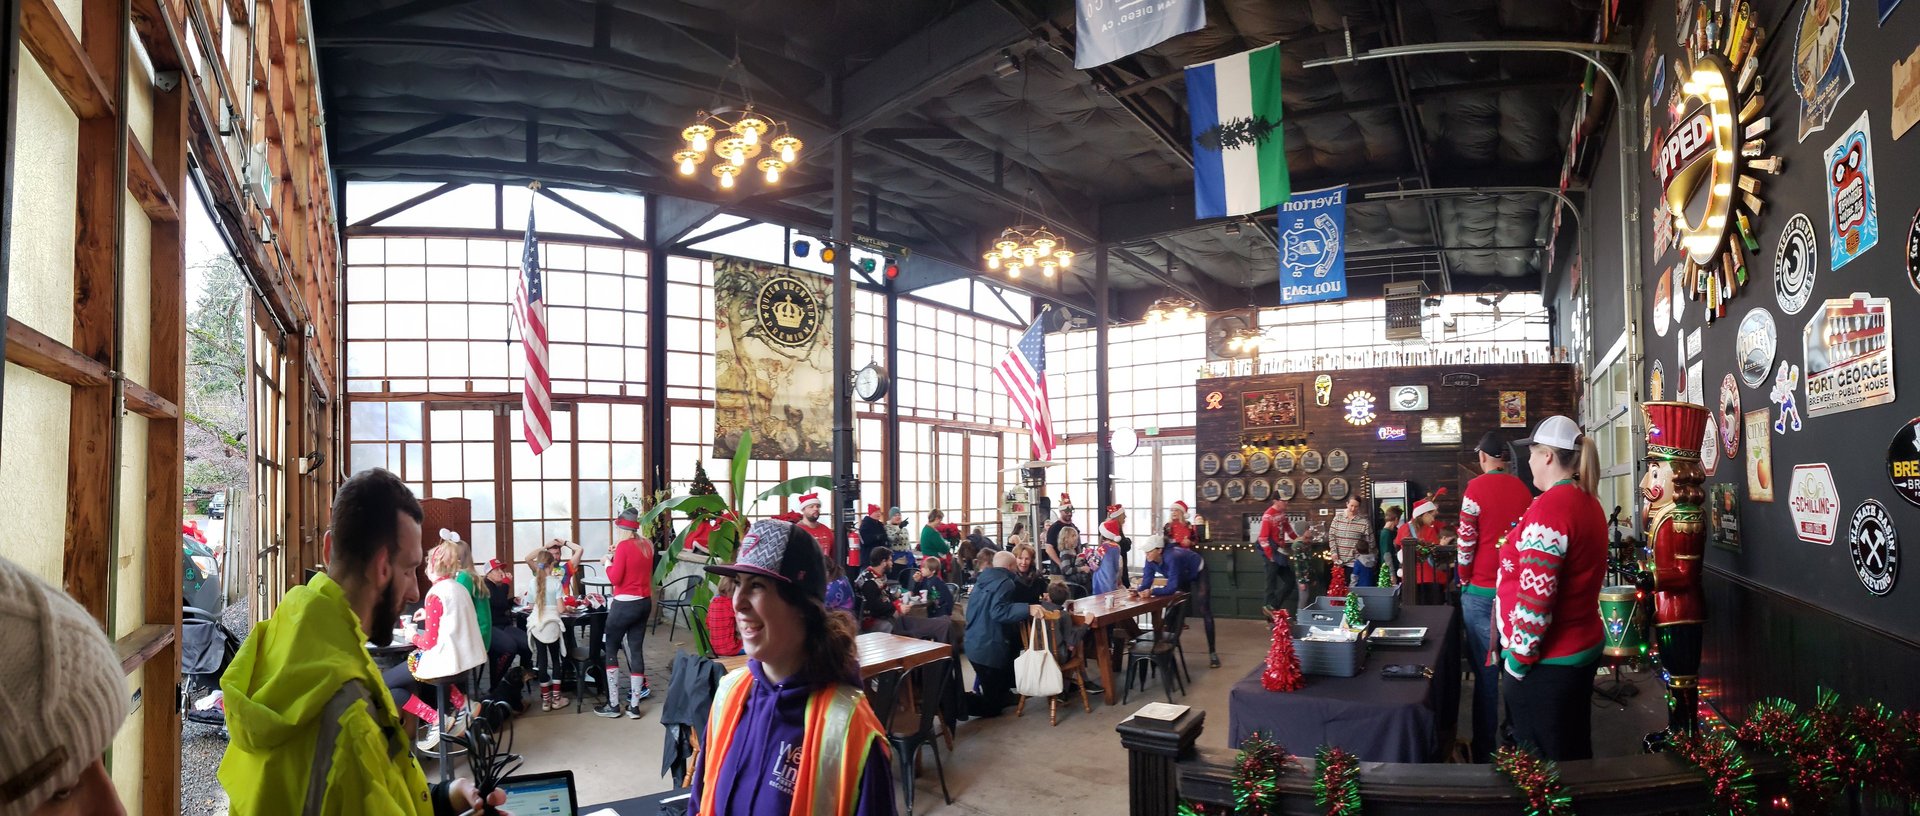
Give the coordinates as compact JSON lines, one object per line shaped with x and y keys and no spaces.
{"x":1313,"y":246}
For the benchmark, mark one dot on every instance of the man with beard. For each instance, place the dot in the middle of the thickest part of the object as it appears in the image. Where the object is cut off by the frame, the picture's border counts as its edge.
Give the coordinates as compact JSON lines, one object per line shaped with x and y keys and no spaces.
{"x":810,"y":523}
{"x":303,"y":698}
{"x":1050,"y":553}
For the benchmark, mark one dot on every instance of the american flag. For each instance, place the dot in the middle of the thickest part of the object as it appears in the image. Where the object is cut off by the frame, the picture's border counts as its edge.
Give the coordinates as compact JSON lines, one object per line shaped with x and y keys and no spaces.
{"x":536,"y":403}
{"x":1023,"y":372}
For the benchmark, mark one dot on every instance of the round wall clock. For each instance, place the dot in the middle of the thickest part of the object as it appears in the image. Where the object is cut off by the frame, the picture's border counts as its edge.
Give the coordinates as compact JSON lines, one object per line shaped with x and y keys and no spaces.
{"x":872,"y":383}
{"x":1210,"y":490}
{"x":1236,"y":490}
{"x":1283,"y":488}
{"x":1337,"y":489}
{"x":1310,"y":461}
{"x":1209,"y":463}
{"x":1125,"y":441}
{"x":1235,"y":463}
{"x":1310,"y":489}
{"x":1258,"y":462}
{"x":1337,"y":460}
{"x":1283,"y":462}
{"x":1259,"y":489}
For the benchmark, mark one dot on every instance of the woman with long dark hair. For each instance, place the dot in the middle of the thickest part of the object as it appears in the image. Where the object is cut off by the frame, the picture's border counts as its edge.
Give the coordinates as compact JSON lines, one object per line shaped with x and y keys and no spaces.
{"x":791,"y":732}
{"x":1547,"y":603}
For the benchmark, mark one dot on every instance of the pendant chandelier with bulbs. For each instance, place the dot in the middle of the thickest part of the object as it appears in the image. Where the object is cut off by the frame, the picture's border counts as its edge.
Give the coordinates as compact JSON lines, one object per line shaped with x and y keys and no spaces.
{"x":1029,"y":247}
{"x":1174,"y":309}
{"x":735,"y":144}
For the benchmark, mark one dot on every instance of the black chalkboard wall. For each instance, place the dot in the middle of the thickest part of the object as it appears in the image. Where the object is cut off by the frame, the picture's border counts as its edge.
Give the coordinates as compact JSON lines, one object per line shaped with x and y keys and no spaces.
{"x":1770,"y":635}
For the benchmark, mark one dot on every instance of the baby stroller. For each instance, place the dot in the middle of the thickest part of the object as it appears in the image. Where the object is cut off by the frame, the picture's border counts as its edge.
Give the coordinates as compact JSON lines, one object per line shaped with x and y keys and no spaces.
{"x":206,"y":649}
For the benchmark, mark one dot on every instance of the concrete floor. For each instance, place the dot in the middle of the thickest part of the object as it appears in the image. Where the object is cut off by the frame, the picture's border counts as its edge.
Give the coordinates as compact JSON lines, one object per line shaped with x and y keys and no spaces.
{"x":999,"y":766}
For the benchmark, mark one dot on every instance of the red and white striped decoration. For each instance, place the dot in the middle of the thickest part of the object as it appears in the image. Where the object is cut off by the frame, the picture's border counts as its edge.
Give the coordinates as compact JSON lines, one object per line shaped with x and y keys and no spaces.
{"x":1023,"y":373}
{"x":536,"y":393}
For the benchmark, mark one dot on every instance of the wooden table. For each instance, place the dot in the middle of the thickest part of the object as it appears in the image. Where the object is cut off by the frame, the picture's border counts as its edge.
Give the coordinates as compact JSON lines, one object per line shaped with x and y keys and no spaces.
{"x":1097,"y":612}
{"x":879,"y":652}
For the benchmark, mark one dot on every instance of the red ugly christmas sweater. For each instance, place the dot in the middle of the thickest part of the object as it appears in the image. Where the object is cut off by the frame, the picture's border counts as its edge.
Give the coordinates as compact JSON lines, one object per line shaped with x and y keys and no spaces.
{"x":1548,"y":603}
{"x":1492,"y":503}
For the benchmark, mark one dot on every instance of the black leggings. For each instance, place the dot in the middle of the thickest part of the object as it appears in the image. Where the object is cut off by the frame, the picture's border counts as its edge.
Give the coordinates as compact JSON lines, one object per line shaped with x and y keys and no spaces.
{"x":1203,"y":603}
{"x":402,"y":684}
{"x":546,"y":660}
{"x":627,"y":624}
{"x":1549,"y":711}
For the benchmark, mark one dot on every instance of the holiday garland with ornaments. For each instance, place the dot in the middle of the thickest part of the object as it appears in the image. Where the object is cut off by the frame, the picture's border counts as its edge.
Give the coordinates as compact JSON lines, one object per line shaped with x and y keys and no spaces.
{"x":1832,"y":748}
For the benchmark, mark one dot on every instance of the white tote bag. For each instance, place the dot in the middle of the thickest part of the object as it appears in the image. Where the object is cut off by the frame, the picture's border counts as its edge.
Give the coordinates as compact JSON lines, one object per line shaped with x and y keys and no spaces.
{"x":1035,"y":674}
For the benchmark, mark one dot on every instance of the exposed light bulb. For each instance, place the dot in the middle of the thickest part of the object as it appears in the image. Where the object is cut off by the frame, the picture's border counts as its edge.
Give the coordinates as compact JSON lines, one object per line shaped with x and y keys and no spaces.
{"x":993,"y":261}
{"x":726,"y":181}
{"x":752,"y":136}
{"x":786,"y":154}
{"x":686,"y":167}
{"x":773,"y":174}
{"x":698,"y":144}
{"x":737,"y":158}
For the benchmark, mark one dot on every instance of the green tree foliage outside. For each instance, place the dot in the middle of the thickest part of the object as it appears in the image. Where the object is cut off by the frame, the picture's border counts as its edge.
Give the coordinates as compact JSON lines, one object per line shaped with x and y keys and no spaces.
{"x":216,"y":409}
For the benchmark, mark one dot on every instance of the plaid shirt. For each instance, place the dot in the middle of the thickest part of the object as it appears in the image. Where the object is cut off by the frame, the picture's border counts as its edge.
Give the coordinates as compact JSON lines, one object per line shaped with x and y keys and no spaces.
{"x":1345,"y":535}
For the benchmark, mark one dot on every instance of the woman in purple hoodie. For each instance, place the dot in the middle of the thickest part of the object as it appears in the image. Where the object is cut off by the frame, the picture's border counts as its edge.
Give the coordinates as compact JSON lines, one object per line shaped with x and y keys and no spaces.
{"x":791,"y":733}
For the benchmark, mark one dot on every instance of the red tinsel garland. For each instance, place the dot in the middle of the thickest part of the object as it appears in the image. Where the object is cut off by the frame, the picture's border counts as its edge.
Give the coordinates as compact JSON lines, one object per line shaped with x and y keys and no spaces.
{"x":1537,"y":779}
{"x":1283,"y":663}
{"x":1726,"y":768}
{"x":1337,"y":582}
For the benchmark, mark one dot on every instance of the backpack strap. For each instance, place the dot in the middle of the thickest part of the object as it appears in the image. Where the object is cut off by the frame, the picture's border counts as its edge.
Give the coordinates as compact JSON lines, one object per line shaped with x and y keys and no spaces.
{"x":352,"y":691}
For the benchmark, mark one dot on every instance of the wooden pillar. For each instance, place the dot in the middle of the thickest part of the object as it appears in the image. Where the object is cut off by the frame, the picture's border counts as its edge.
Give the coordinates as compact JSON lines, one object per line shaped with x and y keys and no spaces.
{"x":166,"y":446}
{"x":93,"y":461}
{"x":10,"y":62}
{"x":1154,"y":749}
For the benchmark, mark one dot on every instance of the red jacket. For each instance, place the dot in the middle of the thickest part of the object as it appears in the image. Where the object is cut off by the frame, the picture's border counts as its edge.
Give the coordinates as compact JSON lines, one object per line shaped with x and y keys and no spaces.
{"x":1491,"y":505}
{"x":1551,"y":571}
{"x":1275,"y":530}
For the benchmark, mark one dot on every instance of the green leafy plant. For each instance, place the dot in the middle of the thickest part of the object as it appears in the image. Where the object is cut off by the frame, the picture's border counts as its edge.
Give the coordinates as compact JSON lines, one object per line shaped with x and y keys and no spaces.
{"x":730,"y":517}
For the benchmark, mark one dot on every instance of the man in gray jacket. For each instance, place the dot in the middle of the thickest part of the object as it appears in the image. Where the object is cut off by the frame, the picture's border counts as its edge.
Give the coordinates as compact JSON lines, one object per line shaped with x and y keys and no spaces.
{"x":990,"y":609}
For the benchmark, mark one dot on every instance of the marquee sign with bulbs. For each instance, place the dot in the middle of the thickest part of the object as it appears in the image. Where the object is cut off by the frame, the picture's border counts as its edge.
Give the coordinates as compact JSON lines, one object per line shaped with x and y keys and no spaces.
{"x":1709,"y":165}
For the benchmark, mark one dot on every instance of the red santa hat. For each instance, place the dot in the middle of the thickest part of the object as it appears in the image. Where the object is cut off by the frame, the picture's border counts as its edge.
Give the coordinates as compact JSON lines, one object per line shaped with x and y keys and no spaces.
{"x":1066,"y":502}
{"x":1427,"y":504}
{"x":1114,"y":510}
{"x":809,"y":498}
{"x":1180,"y":505}
{"x":1110,"y":529}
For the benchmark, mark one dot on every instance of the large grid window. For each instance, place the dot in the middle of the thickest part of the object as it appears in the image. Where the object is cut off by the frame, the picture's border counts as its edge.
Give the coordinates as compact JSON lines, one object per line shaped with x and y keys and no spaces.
{"x":946,"y":364}
{"x":1353,"y":334}
{"x":436,"y":314}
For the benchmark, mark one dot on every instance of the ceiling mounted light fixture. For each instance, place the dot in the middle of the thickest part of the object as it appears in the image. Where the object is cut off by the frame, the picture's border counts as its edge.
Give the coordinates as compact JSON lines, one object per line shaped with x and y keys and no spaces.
{"x":1174,"y":309}
{"x":1007,"y":65}
{"x":733,"y":138}
{"x":1246,"y":340}
{"x":1028,"y":246}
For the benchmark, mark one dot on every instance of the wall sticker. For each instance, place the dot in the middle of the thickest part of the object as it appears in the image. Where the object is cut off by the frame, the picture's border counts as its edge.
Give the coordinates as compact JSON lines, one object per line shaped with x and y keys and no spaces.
{"x":1323,"y":390}
{"x":1759,"y":457}
{"x":1696,"y":382}
{"x":1903,"y":461}
{"x":1723,"y":516}
{"x":1710,"y":449}
{"x":1814,"y":503}
{"x":1663,"y":302}
{"x":1913,"y":252}
{"x":1875,"y":547}
{"x":1782,"y":395}
{"x":1657,"y":381}
{"x":1821,"y":74}
{"x":1730,"y":416}
{"x":1906,"y":93}
{"x":1849,"y":352}
{"x":1795,"y":264}
{"x":1513,"y":409}
{"x":1853,"y":218}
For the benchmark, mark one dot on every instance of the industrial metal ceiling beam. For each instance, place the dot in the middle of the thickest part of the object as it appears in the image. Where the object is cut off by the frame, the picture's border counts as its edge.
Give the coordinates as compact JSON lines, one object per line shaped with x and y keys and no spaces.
{"x":1210,"y":294}
{"x":926,"y":61}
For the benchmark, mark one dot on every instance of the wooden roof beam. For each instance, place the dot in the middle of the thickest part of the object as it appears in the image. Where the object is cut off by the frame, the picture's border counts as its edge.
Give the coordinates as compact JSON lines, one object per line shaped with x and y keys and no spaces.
{"x":44,"y":30}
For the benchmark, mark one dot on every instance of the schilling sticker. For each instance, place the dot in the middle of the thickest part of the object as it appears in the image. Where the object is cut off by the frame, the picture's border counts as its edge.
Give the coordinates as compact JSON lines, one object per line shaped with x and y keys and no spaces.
{"x":1875,"y":547}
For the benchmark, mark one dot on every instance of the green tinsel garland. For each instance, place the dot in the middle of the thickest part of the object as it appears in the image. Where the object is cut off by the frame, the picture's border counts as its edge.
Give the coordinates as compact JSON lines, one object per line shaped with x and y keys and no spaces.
{"x":1386,"y":575}
{"x":1336,"y":783}
{"x":1538,"y":780}
{"x":1256,"y":773}
{"x":1354,"y":618}
{"x":1726,"y":767}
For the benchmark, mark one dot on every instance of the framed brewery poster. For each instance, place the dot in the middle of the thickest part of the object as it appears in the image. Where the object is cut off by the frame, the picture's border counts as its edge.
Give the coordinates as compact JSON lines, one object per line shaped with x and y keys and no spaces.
{"x":1723,"y":516}
{"x":1279,"y":408}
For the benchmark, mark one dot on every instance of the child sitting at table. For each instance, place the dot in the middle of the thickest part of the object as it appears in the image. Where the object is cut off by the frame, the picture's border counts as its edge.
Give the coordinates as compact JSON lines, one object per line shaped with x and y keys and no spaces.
{"x":723,"y":632}
{"x":543,"y":624}
{"x":448,"y":645}
{"x":930,"y":581}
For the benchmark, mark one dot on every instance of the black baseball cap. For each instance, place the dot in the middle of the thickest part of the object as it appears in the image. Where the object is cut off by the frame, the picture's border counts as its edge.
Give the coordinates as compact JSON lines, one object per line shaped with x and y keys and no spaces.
{"x":1493,"y":445}
{"x":771,"y":550}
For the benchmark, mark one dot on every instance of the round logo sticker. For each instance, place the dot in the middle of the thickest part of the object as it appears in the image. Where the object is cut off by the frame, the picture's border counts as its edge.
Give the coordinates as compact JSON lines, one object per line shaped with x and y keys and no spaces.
{"x":1875,"y":546}
{"x":1729,"y":416}
{"x":1657,"y":382}
{"x":1757,"y":340}
{"x":1913,"y":252}
{"x":1903,"y":461}
{"x":788,"y":310}
{"x":1663,"y":302}
{"x":1710,"y":450}
{"x":1795,"y":262}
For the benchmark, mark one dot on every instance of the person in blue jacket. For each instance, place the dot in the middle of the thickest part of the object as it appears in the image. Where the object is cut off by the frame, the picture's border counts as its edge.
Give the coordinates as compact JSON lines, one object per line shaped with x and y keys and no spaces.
{"x":1186,"y":571}
{"x":989,"y":610}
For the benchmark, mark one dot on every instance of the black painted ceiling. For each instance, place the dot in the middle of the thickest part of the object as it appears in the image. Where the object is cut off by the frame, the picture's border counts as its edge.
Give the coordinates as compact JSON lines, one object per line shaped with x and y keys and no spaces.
{"x":594,"y":94}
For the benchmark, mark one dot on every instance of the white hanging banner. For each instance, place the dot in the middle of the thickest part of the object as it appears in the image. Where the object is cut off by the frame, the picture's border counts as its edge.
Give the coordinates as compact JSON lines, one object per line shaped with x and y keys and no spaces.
{"x":1111,"y":29}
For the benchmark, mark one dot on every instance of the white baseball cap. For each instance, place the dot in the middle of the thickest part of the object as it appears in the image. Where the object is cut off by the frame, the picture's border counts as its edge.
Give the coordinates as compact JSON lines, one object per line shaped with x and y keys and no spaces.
{"x":1556,"y":432}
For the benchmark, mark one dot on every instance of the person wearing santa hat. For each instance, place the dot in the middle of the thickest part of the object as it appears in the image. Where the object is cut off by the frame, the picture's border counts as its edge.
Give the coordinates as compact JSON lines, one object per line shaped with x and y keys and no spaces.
{"x":629,"y":568}
{"x":1177,"y":531}
{"x":873,"y":533}
{"x":1112,"y":531}
{"x":810,"y":523}
{"x":1276,"y":536}
{"x":1050,"y":544}
{"x":1417,"y":538}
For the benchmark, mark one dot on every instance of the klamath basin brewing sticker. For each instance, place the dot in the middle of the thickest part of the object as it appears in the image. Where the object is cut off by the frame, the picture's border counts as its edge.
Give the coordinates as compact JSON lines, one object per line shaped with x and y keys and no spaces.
{"x":1875,"y":547}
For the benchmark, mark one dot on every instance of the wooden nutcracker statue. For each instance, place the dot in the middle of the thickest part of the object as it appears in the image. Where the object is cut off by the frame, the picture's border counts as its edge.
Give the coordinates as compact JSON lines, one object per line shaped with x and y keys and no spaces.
{"x":1676,"y":527}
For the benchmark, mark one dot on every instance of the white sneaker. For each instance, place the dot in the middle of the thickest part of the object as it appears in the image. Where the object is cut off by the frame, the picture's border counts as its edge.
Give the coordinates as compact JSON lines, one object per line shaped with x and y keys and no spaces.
{"x":457,"y":723}
{"x":431,"y":741}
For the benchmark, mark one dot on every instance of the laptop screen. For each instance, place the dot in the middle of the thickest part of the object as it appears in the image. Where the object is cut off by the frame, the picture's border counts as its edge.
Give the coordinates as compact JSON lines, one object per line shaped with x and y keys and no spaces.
{"x":539,"y":795}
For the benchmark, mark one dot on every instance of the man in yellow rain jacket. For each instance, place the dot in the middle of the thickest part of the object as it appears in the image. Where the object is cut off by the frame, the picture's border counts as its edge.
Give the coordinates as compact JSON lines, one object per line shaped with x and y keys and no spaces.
{"x":315,"y":730}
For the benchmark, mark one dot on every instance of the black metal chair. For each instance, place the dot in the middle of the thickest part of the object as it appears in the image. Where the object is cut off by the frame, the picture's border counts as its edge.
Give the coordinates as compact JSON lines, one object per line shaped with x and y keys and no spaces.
{"x":1160,"y":653}
{"x":676,"y":603}
{"x":699,"y":625}
{"x":883,"y":691}
{"x":931,"y":680}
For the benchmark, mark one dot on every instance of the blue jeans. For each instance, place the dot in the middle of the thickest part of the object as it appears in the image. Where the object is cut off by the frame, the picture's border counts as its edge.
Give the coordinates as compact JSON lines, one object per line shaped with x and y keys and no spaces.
{"x":1361,"y":575}
{"x":1477,"y":613}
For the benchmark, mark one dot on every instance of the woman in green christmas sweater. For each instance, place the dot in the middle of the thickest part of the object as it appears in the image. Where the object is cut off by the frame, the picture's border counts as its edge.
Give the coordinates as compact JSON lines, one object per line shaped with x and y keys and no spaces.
{"x":1548,"y":597}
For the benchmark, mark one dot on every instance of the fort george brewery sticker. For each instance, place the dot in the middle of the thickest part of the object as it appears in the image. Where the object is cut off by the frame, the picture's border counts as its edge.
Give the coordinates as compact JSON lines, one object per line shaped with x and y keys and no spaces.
{"x":789,"y":313}
{"x":1795,"y":263}
{"x":1903,"y":461}
{"x":1875,"y":547}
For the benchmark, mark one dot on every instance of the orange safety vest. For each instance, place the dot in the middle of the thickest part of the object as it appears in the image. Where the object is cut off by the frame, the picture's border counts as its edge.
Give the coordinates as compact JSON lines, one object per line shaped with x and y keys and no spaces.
{"x":841,"y":729}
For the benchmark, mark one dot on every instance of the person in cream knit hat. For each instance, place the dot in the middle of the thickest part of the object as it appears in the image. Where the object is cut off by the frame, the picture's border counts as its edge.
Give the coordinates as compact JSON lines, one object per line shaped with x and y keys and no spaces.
{"x":65,"y":701}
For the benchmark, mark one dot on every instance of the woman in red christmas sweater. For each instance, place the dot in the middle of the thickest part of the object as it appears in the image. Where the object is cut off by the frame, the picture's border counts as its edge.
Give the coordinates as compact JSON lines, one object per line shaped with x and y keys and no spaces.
{"x":1547,"y":602}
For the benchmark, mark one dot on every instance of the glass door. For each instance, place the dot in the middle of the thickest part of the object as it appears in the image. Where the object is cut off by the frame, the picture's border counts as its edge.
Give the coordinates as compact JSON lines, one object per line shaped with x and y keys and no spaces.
{"x":462,"y":460}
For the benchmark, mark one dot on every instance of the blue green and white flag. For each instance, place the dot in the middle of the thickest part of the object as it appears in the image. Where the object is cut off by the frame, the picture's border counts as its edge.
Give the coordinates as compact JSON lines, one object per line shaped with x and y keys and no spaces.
{"x":1239,"y":157}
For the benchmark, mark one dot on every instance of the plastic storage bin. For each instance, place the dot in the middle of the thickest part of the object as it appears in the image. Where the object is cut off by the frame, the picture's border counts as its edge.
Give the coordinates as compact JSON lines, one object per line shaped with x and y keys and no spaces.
{"x":1330,"y":659}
